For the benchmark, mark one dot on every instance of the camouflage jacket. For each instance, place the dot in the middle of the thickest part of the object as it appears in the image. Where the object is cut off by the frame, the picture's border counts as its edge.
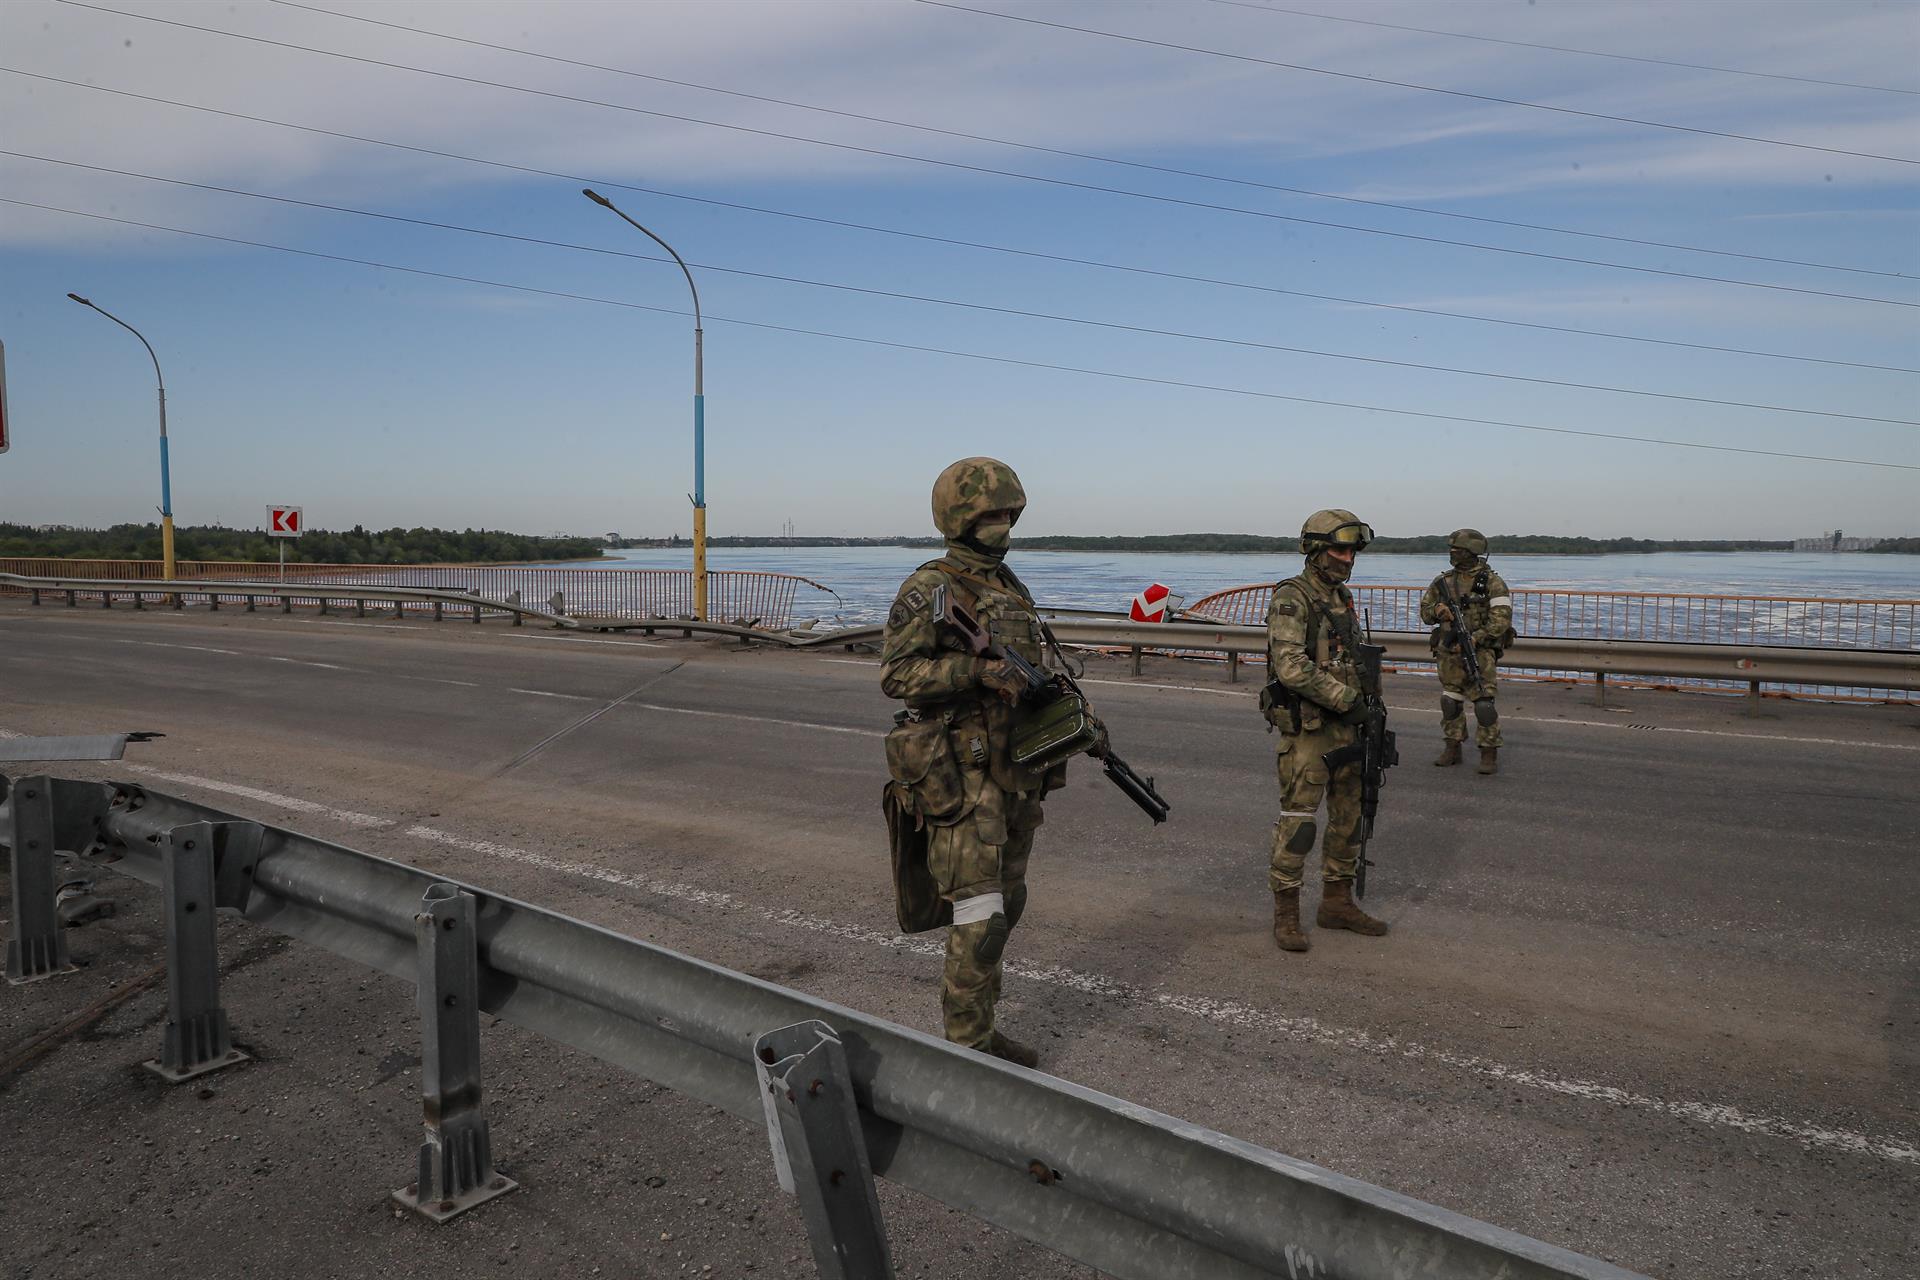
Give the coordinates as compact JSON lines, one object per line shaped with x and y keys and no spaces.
{"x":1309,"y":625}
{"x":1488,"y":603}
{"x":925,"y":665}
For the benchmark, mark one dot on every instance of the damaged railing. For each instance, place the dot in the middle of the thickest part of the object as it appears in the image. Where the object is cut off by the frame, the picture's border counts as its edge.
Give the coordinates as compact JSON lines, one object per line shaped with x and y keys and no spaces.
{"x":844,"y":1096}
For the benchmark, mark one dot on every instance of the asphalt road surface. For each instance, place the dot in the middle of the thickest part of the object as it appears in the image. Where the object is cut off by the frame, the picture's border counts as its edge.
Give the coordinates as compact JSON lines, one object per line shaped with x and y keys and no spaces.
{"x":1652,"y":993}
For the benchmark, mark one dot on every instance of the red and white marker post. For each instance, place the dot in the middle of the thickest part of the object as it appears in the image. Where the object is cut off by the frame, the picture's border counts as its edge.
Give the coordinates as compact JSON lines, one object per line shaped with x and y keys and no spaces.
{"x":284,"y":522}
{"x":1157,"y":603}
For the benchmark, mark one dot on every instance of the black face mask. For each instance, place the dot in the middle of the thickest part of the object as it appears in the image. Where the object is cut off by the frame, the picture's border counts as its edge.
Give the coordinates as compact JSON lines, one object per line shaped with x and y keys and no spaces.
{"x":993,"y":547}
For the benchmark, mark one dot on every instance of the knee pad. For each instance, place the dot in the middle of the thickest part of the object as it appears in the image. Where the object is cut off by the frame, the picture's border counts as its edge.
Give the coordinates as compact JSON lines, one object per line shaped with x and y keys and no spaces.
{"x":993,"y":942}
{"x":1484,"y":711}
{"x":1301,"y":841}
{"x":1450,"y":708}
{"x":1016,"y":904}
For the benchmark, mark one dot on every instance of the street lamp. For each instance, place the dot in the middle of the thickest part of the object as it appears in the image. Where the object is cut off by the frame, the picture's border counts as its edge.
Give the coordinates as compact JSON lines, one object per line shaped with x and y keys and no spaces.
{"x":166,"y":481}
{"x":699,"y":494}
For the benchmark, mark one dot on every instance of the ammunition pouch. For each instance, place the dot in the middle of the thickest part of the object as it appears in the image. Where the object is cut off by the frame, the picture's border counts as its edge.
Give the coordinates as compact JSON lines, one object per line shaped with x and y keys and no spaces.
{"x":926,"y":775}
{"x":1281,"y":706}
{"x":918,"y":905}
{"x":1051,"y":733}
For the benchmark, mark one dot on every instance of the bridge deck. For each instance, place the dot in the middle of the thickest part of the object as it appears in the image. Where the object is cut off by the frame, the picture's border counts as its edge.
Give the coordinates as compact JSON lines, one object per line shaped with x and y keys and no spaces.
{"x":1653,"y":993}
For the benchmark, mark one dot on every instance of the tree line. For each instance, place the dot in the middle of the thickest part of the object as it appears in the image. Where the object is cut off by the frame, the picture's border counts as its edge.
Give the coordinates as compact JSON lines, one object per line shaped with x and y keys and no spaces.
{"x":358,"y":545}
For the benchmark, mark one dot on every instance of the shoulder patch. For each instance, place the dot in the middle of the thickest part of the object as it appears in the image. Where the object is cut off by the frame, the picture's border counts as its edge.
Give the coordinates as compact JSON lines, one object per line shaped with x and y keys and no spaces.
{"x":1287,"y":607}
{"x":916,"y":599}
{"x":897,"y":617}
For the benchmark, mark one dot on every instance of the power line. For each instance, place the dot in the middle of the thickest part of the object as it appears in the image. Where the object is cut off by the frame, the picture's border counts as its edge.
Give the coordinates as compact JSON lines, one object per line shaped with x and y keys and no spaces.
{"x":1403,"y":84}
{"x":973,"y":244}
{"x":973,"y":355}
{"x":985,"y":169}
{"x":1561,"y":48}
{"x":897,"y":295}
{"x":1085,"y":155}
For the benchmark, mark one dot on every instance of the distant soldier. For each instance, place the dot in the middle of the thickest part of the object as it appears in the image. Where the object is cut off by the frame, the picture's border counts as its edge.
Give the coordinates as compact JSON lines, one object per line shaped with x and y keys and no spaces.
{"x":954,"y":784}
{"x":1488,"y":621}
{"x":1314,"y":699}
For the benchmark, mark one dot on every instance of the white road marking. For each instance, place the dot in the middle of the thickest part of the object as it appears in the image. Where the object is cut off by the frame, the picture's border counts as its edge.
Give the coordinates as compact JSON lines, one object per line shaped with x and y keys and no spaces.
{"x":542,"y":693}
{"x":631,"y":644}
{"x":362,"y":626}
{"x":294,"y":803}
{"x":736,"y":715}
{"x":300,"y":662}
{"x":1206,"y":1008}
{"x":464,"y":684}
{"x":852,"y":662}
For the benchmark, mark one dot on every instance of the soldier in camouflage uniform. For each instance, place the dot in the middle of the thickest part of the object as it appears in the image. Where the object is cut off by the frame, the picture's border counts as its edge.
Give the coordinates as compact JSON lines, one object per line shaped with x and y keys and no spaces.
{"x":1489,"y":609}
{"x":979,"y":808}
{"x":1313,"y":699}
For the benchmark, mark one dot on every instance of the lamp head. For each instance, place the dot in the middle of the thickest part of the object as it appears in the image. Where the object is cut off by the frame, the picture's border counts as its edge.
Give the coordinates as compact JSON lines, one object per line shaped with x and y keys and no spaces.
{"x":85,"y":302}
{"x":596,"y":197}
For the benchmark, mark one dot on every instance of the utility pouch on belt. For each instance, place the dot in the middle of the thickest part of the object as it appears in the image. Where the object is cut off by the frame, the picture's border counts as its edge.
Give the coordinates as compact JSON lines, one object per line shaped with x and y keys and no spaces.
{"x":1281,"y":706}
{"x":921,"y":761}
{"x":1053,"y":732}
{"x":917,"y":902}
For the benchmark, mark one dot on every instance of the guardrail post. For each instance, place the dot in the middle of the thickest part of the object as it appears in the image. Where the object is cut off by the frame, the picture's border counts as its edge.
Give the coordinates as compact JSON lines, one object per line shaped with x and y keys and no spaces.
{"x":514,"y":600}
{"x":35,"y":592}
{"x":106,"y":599}
{"x":197,"y":1039}
{"x":138,"y":603}
{"x":250,"y":608}
{"x":1753,"y":697}
{"x":819,"y":1153}
{"x":38,"y":947}
{"x":286,"y":604}
{"x":456,"y":1161}
{"x":213,"y":602}
{"x":323,"y":606}
{"x":1233,"y":667}
{"x":359,"y":606}
{"x":1136,"y":659}
{"x":438,"y":611}
{"x":70,"y":596}
{"x":179,"y":600}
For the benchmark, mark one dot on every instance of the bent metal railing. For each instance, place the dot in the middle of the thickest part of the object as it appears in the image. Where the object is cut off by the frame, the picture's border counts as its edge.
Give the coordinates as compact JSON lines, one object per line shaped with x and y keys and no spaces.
{"x":843,"y":1094}
{"x":766,"y":599}
{"x":1801,"y":622}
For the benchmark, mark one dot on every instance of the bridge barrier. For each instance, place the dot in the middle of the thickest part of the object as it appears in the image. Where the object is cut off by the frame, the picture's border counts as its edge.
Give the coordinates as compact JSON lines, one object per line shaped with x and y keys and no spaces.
{"x":1127,"y":1190}
{"x":766,"y":599}
{"x":1885,"y":674}
{"x":1672,"y":618}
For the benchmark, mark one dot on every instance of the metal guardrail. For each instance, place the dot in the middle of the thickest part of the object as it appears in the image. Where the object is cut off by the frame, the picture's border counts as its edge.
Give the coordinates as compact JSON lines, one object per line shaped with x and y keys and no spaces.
{"x":1130,"y":1191}
{"x":1752,"y":664}
{"x":606,"y":592}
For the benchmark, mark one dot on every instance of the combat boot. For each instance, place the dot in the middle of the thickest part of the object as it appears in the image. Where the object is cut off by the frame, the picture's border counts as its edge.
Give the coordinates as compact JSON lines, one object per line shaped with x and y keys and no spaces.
{"x":1338,"y":910}
{"x":1013,"y":1051}
{"x":1287,"y":934}
{"x":1489,"y":760}
{"x":1449,"y":754}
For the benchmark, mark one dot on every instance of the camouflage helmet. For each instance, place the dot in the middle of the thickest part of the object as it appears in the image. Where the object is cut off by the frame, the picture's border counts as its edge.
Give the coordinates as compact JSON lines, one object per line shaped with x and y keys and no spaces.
{"x":969,"y":489}
{"x":1471,"y":541}
{"x":1334,"y":528}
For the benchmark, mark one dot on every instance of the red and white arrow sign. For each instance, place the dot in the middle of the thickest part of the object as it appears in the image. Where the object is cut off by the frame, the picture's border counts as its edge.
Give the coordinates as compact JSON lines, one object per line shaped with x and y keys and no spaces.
{"x":283,"y":522}
{"x":1156,"y":604}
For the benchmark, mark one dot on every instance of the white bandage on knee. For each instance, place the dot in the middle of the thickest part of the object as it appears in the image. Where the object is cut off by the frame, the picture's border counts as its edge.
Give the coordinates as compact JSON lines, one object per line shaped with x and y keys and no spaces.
{"x":1448,"y":693}
{"x":983,"y":907}
{"x":1297,"y":813}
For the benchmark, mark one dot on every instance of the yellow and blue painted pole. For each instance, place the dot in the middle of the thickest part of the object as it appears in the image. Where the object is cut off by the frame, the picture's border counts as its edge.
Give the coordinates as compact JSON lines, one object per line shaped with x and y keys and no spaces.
{"x":166,"y":470}
{"x":699,"y":494}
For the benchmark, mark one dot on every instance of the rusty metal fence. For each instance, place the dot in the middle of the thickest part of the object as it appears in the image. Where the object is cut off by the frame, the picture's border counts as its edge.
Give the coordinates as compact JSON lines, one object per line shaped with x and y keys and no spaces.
{"x":761,"y":599}
{"x":1664,"y":617}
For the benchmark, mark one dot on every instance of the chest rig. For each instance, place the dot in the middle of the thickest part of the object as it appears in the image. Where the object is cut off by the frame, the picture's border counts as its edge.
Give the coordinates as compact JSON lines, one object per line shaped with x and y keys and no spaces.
{"x":1330,"y":638}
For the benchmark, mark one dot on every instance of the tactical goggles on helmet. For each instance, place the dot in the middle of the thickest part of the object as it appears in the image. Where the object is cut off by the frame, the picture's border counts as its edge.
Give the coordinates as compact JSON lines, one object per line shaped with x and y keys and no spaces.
{"x":1353,"y":535}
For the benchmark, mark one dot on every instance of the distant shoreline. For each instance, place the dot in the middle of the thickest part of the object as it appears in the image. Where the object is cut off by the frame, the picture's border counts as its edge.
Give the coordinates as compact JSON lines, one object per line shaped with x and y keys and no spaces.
{"x":1257,"y":545}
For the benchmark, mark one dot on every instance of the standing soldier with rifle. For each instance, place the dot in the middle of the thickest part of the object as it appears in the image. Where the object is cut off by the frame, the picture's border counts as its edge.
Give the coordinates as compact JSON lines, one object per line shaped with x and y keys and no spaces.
{"x":984,"y":738}
{"x":1317,"y":698}
{"x":1471,"y":612}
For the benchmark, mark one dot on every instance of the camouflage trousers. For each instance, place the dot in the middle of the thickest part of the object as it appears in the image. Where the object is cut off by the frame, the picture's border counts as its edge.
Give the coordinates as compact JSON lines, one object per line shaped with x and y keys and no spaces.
{"x":1456,"y":698}
{"x":983,"y":853}
{"x":1303,"y":782}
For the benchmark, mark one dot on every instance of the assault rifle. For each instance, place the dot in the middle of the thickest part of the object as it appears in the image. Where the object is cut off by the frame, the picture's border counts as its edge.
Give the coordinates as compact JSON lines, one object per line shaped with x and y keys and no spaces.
{"x":1461,"y":637}
{"x":1374,"y":750}
{"x":1042,"y":689}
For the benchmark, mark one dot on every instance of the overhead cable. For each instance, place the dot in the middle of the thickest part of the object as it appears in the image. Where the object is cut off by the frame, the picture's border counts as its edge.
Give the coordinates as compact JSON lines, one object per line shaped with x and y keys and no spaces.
{"x":1012,"y":250}
{"x":1403,"y":84}
{"x":1085,"y":155}
{"x":973,"y":355}
{"x":1085,"y":321}
{"x":1561,"y":48}
{"x":961,"y":166}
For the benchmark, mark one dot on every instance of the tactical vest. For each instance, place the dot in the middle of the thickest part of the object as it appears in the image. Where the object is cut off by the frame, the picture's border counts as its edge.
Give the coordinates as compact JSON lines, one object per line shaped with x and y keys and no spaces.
{"x":1330,"y":640}
{"x":1008,"y":616}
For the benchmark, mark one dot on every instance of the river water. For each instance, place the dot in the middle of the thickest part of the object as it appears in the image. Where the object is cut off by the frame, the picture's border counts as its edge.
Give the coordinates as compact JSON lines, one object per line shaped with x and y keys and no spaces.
{"x":866,"y":578}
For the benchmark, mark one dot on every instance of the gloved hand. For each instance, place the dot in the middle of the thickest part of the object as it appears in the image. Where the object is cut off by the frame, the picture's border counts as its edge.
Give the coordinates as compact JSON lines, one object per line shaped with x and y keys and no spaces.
{"x":1357,"y":714}
{"x":1101,"y":743}
{"x":999,"y":675}
{"x":1443,"y":614}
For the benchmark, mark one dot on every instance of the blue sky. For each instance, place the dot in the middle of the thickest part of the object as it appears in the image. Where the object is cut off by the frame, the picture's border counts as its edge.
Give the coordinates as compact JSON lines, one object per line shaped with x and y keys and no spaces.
{"x":379,"y":397}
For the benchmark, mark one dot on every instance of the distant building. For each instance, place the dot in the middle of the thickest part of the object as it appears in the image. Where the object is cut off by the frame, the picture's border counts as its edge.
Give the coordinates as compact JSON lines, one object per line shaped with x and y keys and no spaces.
{"x":1835,"y":541}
